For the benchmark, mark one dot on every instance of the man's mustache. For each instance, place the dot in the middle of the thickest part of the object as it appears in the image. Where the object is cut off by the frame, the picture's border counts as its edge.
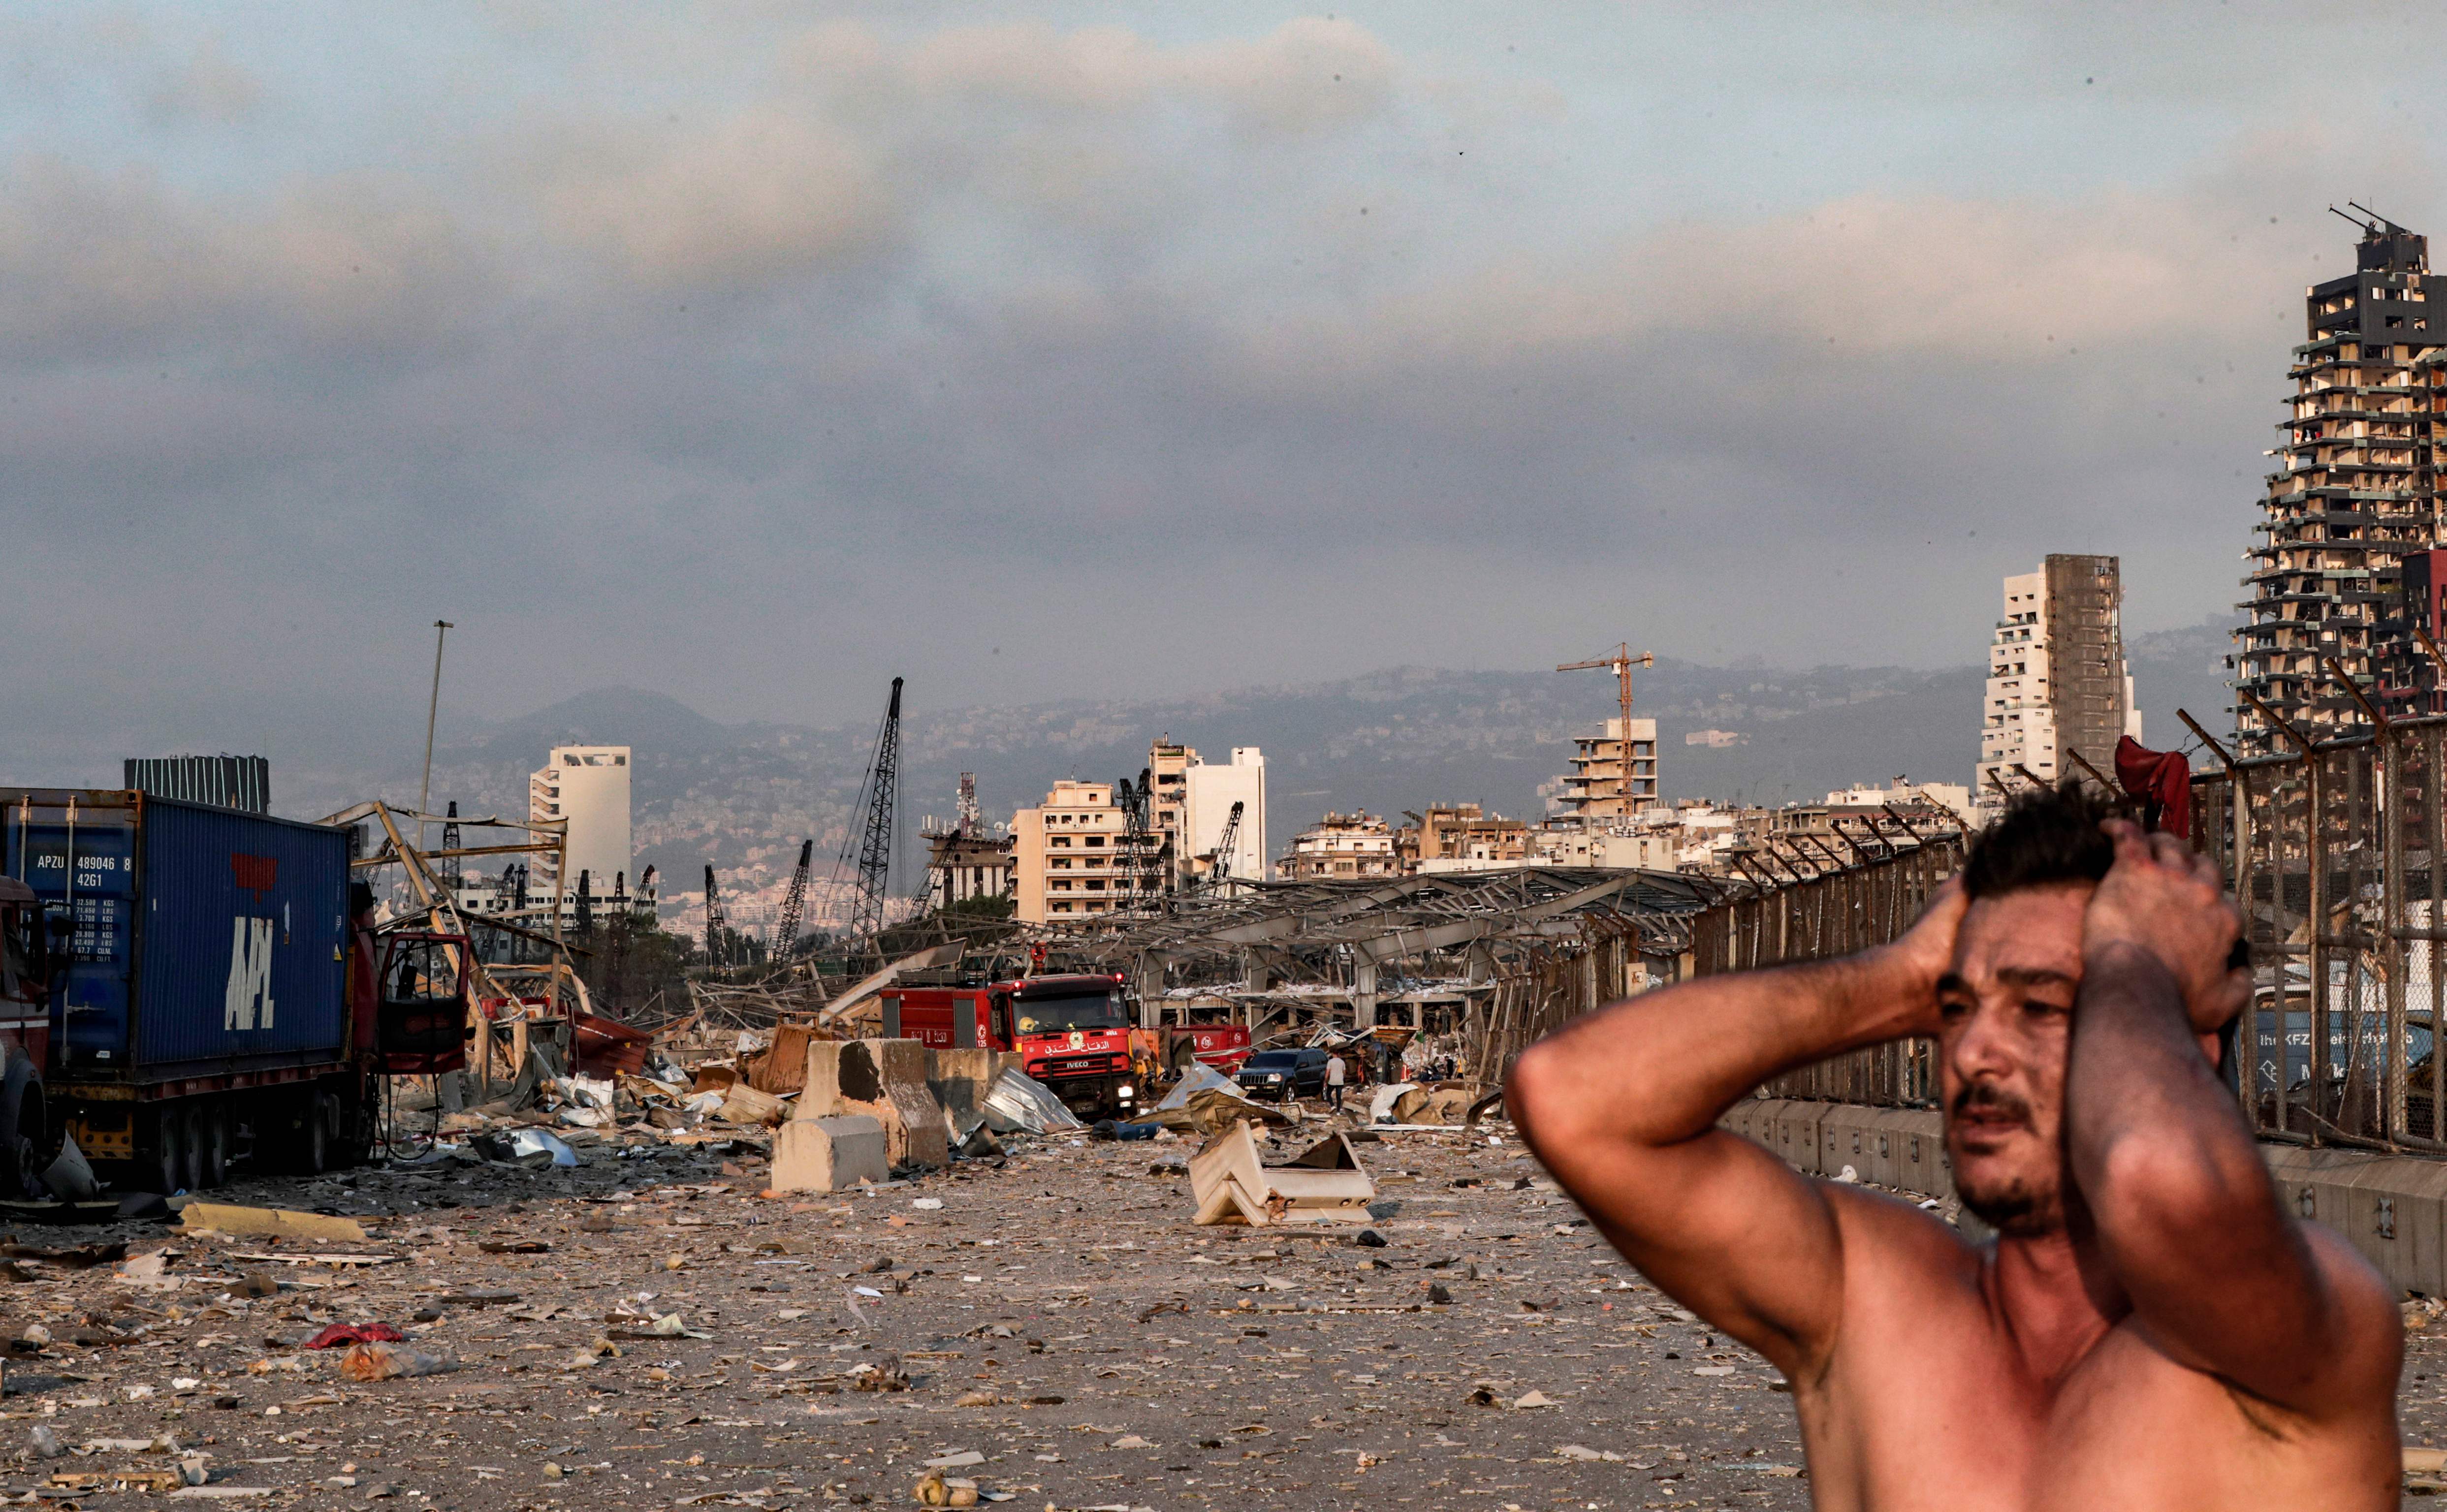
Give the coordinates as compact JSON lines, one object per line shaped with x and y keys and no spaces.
{"x":1987,"y":1097}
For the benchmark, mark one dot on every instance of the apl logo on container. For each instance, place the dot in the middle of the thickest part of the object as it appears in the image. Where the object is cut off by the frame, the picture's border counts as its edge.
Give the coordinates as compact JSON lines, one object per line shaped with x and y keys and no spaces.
{"x":246,"y":1003}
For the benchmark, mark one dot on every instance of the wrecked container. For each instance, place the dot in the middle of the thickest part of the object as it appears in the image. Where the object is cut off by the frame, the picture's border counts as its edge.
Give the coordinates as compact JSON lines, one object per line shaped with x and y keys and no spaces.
{"x":1324,"y":1184}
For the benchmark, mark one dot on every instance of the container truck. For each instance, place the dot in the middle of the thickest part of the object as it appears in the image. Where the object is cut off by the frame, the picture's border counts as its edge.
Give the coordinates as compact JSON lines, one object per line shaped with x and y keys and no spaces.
{"x":195,"y":991}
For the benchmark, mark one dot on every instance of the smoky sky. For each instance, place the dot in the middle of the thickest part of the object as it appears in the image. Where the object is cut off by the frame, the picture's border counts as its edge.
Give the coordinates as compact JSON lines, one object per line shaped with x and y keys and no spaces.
{"x":758,"y":353}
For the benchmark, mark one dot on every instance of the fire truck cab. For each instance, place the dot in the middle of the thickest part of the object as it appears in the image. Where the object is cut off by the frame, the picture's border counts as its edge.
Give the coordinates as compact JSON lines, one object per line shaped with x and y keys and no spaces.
{"x":1071,"y":1031}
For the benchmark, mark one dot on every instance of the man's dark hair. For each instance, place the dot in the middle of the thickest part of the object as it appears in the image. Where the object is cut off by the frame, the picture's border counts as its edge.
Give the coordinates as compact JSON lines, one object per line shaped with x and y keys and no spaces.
{"x":2047,"y":835}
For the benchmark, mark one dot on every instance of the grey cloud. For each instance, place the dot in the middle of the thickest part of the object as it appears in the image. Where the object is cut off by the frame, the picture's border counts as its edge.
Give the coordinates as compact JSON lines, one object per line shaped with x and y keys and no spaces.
{"x":95,"y":264}
{"x":1030,"y":361}
{"x":208,"y":86}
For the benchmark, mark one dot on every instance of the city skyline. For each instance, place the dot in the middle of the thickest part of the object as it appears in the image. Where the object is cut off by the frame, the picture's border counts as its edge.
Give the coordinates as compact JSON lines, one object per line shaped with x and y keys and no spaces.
{"x":759,"y":358}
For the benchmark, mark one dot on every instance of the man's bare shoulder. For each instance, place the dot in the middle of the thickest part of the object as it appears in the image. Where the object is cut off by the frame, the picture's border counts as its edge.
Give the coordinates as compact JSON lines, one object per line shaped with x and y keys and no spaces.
{"x":1899,"y":1256}
{"x":1898,"y":1227}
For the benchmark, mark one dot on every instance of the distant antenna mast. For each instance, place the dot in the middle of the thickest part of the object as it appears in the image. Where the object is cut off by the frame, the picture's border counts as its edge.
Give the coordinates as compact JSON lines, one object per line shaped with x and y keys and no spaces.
{"x":450,"y":842}
{"x":969,"y":821}
{"x":794,"y":902}
{"x":882,"y":797}
{"x":715,"y":924}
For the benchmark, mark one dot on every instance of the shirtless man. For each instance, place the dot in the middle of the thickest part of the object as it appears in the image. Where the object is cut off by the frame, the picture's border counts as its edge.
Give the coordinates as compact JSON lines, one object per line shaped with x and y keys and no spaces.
{"x":2152,"y":1329}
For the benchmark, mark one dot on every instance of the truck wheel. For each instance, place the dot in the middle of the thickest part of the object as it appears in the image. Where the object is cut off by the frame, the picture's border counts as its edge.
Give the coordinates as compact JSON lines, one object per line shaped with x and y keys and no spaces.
{"x":216,"y":1143}
{"x":352,"y":1143}
{"x":23,"y":1147}
{"x":191,"y":1147}
{"x":315,"y":1136}
{"x":212,"y":1148}
{"x":167,"y":1169}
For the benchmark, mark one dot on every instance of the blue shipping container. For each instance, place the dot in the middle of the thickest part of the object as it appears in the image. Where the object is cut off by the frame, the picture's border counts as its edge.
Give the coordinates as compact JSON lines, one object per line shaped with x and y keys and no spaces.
{"x":206,"y":940}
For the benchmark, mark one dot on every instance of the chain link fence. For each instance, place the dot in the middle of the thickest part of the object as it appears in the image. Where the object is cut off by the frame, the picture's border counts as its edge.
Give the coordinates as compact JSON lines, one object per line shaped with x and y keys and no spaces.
{"x":2333,"y":852}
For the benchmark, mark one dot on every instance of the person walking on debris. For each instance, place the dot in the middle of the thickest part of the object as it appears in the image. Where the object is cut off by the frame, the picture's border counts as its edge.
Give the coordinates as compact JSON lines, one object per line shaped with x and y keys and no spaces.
{"x":2152,"y":1326}
{"x":1334,"y":1075}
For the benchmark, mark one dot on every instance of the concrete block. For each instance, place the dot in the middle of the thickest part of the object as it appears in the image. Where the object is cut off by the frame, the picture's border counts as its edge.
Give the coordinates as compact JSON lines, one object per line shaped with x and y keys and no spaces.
{"x":899,"y":1061}
{"x":829,"y":1154}
{"x":961,"y":1079}
{"x":912,"y":1120}
{"x":1923,"y":1152}
{"x":1844,"y":1131}
{"x":1808,"y":1119}
{"x":820,"y":1089}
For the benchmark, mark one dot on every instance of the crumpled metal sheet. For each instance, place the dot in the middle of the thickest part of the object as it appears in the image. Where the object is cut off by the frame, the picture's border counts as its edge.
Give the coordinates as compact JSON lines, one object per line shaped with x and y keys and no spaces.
{"x":1018,"y":1103}
{"x":536,"y":1141}
{"x":1198,"y":1078}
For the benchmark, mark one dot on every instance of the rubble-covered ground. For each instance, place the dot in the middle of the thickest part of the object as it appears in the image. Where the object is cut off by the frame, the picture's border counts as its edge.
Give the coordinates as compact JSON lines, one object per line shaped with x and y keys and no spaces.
{"x":1067,"y":1337}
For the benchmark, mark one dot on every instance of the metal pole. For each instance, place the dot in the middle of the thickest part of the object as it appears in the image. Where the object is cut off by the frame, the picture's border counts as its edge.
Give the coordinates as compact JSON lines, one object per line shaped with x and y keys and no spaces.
{"x":434,"y":705}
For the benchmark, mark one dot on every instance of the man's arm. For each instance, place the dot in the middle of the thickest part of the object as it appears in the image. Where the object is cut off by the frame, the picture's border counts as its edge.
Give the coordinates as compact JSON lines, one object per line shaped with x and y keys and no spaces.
{"x":1622,"y":1106}
{"x":2186,"y":1214}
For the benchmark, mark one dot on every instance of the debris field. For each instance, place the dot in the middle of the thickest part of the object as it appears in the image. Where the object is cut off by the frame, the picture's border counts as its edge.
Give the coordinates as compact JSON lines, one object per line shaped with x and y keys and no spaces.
{"x":1050,"y":1329}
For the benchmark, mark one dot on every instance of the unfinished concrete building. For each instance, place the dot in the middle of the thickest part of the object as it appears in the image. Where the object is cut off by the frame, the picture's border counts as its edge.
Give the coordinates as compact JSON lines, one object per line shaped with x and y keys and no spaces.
{"x":1598,"y":785}
{"x":2356,"y":489}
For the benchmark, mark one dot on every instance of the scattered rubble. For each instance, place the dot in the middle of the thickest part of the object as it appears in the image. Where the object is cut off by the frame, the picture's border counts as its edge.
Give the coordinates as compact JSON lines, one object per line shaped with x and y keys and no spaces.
{"x":662,"y":1323}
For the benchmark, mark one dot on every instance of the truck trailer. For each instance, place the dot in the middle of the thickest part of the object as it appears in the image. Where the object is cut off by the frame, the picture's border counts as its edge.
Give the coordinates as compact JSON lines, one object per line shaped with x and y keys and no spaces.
{"x":187,"y":983}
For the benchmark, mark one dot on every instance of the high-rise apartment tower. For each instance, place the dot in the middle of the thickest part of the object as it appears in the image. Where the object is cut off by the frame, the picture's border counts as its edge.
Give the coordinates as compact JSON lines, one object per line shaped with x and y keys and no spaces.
{"x":2356,"y":489}
{"x":2056,"y":678}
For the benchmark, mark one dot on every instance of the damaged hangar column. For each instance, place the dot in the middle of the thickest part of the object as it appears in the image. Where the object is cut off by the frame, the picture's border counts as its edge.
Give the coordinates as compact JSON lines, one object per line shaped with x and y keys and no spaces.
{"x":2356,"y":490}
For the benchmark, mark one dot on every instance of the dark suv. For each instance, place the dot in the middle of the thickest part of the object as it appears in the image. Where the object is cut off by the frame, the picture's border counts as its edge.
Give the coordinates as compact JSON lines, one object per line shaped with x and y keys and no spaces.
{"x":1284,"y":1075}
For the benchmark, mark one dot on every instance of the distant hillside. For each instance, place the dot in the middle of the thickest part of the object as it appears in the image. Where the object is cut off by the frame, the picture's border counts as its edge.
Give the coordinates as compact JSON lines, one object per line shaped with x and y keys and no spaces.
{"x":742,"y":796}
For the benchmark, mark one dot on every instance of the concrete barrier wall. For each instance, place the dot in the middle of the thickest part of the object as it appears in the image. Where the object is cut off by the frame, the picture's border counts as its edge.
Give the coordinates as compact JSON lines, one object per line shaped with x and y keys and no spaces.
{"x":2393,"y":1208}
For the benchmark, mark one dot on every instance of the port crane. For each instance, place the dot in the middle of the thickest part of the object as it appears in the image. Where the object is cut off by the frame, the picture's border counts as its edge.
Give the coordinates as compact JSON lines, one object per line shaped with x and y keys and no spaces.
{"x":880,"y":797}
{"x":715,"y":921}
{"x":794,"y":902}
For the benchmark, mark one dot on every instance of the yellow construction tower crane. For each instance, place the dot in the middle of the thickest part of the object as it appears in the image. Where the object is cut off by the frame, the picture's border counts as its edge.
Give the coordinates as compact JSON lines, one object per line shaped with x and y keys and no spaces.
{"x":1619,"y":661}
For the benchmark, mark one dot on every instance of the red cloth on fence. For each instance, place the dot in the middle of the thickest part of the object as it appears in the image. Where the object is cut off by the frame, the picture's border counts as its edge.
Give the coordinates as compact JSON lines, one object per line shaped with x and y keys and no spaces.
{"x":2162,"y":779}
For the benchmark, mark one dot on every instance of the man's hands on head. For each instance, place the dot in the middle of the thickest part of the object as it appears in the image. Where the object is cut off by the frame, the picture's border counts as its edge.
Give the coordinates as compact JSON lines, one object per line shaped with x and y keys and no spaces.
{"x":1911,"y":966}
{"x":2162,"y":900}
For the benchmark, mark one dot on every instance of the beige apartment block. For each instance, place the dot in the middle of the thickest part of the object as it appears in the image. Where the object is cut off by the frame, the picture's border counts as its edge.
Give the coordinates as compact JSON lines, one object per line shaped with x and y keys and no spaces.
{"x":1341,"y":847}
{"x":1594,"y":788}
{"x":1190,"y":805}
{"x":1460,"y":832}
{"x":1074,"y":857}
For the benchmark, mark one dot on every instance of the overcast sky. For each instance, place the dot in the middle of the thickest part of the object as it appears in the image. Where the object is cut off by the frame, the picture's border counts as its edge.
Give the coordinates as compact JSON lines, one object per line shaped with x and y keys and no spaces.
{"x":756,"y":352}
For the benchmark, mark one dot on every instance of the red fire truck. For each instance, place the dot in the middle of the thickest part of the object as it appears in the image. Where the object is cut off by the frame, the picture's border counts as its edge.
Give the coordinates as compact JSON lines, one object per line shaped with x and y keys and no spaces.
{"x":1073,"y":1030}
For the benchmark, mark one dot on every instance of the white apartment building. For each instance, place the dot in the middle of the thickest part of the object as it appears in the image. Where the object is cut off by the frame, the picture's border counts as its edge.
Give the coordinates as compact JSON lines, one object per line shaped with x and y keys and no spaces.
{"x":1190,"y":803}
{"x":1905,"y":793}
{"x":586,"y":787}
{"x":2057,"y":677}
{"x":1213,"y":789}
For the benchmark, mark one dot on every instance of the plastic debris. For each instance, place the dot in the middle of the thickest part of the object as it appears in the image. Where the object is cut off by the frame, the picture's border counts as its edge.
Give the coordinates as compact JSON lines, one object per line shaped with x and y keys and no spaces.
{"x":339,"y":1333}
{"x":385,"y":1362}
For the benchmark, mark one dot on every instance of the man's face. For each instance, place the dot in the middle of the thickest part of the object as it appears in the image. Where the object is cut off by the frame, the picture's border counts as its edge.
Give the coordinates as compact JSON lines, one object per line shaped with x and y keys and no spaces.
{"x":2006,"y":1011}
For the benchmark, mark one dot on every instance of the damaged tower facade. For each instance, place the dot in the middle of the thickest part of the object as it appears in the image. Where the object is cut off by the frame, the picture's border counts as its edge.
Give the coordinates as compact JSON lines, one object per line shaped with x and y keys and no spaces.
{"x":2355,"y":492}
{"x":2056,"y":678}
